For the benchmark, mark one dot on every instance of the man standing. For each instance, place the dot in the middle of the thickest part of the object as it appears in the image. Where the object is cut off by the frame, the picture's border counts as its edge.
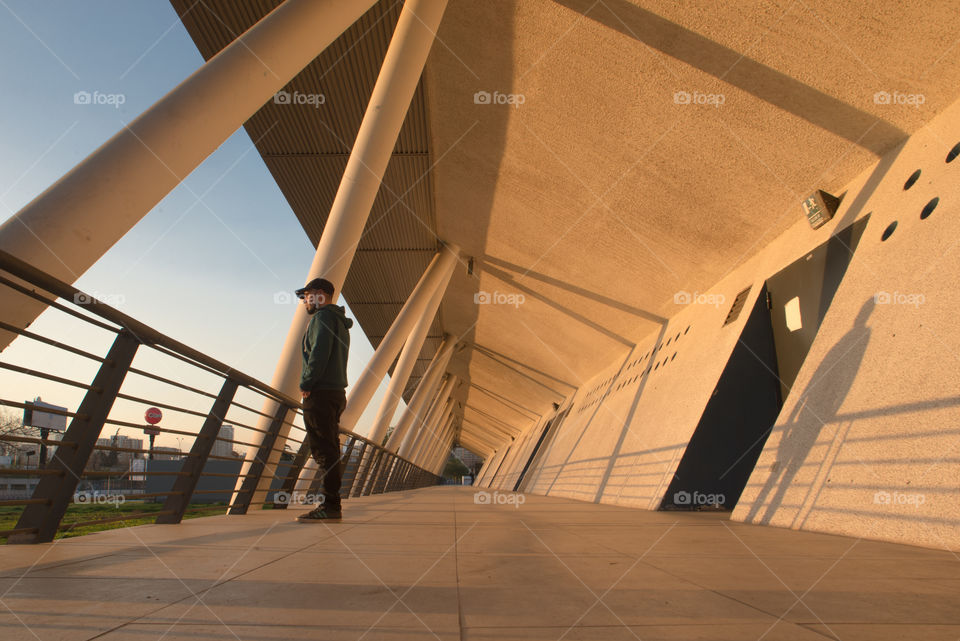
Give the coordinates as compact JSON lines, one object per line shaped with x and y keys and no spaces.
{"x":326,"y":344}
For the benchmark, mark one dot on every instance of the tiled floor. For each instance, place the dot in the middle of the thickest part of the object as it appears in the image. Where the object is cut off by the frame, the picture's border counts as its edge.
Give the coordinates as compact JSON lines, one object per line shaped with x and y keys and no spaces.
{"x":432,"y":564}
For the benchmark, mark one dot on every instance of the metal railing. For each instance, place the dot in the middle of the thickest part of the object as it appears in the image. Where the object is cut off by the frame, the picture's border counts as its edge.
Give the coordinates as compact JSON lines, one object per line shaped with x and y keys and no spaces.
{"x":367,"y":467}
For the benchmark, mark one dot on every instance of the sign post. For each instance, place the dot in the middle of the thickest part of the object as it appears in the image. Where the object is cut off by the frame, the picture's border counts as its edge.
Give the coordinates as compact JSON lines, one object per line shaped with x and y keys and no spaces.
{"x":152,"y":416}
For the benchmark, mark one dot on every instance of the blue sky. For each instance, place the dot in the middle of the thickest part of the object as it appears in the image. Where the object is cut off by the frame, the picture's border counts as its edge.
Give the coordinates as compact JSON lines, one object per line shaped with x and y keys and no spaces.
{"x":205,"y":264}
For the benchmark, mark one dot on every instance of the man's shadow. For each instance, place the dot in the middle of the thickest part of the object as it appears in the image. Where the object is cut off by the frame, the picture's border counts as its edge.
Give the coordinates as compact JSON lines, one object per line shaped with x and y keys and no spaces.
{"x":799,"y":436}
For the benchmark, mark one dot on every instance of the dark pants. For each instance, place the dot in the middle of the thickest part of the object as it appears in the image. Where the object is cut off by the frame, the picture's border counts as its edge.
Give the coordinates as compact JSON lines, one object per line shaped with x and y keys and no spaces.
{"x":321,"y":417}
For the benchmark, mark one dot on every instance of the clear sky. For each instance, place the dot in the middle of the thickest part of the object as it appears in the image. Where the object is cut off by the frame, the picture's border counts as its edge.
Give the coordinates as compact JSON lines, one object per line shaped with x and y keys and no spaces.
{"x":205,"y":265}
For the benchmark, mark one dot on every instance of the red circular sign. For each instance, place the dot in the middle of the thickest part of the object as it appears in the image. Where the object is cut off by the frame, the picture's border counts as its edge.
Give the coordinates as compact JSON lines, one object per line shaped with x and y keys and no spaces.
{"x":153,"y":415}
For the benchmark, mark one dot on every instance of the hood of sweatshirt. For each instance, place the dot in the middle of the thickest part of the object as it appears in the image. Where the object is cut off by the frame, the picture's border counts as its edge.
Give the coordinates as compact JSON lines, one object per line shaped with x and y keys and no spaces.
{"x":339,"y":312}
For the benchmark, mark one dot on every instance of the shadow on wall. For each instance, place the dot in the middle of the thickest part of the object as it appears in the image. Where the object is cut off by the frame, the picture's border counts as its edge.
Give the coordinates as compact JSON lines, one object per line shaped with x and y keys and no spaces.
{"x":800,"y":436}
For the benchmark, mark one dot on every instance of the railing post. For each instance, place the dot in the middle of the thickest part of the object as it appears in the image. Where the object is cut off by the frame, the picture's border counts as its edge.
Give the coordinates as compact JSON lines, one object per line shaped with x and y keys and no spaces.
{"x":372,"y":474}
{"x":293,"y":473}
{"x":78,"y":443}
{"x":248,"y":484}
{"x":192,"y":468}
{"x":347,"y":489}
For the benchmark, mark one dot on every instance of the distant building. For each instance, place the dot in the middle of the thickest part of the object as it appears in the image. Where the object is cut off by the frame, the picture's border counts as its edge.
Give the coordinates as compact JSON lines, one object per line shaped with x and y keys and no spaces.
{"x":123,"y":458}
{"x":224,"y":448}
{"x":468,"y":458}
{"x":167,"y":454}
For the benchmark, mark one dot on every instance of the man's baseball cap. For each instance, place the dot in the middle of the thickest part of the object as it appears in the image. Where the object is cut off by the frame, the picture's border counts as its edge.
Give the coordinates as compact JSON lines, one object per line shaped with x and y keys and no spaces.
{"x":322,"y":284}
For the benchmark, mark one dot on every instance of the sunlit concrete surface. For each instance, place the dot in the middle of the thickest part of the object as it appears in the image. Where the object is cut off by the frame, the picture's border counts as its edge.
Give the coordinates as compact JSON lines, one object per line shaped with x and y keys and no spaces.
{"x":435,"y":564}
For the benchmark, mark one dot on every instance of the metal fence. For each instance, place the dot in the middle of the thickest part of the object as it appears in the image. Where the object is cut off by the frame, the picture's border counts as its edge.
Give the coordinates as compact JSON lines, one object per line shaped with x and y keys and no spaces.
{"x":120,"y":383}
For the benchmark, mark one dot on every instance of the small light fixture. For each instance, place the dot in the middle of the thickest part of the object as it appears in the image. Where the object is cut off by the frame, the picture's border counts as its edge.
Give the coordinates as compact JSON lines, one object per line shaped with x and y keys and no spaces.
{"x":819,"y":207}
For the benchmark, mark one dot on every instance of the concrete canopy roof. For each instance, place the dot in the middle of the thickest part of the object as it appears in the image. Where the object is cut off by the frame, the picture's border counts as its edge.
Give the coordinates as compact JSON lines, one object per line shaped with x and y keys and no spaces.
{"x":656,"y":148}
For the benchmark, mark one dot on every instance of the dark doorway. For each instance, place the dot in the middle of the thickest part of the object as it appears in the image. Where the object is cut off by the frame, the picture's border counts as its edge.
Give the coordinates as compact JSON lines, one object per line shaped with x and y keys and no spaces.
{"x":800,"y":295}
{"x":783,"y":322}
{"x":556,"y":420}
{"x":734,"y":426}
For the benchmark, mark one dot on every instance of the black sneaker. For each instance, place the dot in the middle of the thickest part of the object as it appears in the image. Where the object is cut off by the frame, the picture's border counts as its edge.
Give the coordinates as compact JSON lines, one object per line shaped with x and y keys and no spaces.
{"x":320,"y":514}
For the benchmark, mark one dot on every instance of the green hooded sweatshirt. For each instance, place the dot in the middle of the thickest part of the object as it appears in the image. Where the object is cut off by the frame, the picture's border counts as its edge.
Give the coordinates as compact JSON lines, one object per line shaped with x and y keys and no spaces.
{"x":325,"y":346}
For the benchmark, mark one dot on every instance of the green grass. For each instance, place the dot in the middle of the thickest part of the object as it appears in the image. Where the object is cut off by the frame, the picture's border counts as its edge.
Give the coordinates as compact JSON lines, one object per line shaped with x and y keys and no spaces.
{"x":78,"y":513}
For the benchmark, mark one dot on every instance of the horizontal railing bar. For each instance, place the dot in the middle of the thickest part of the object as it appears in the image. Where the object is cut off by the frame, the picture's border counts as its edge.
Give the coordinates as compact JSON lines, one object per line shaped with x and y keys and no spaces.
{"x":131,"y":473}
{"x":13,"y":502}
{"x":137,"y":399}
{"x":48,"y":410}
{"x":29,"y":472}
{"x":53,"y":303}
{"x":44,"y":375}
{"x":23,"y":530}
{"x":125,"y":517}
{"x":30,"y":439}
{"x":50,"y":341}
{"x":157,"y":377}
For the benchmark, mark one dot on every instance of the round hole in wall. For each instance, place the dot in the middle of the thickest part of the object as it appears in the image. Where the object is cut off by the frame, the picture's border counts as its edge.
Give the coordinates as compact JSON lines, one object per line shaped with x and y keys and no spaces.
{"x":914,"y":177}
{"x":677,"y":337}
{"x":657,"y":366}
{"x":668,"y":340}
{"x":674,"y":356}
{"x":686,"y":330}
{"x":888,"y":232}
{"x":953,"y":153}
{"x":929,"y":207}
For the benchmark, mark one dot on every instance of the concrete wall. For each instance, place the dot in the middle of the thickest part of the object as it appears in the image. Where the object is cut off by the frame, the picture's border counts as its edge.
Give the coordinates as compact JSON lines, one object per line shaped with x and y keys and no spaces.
{"x":874,"y":407}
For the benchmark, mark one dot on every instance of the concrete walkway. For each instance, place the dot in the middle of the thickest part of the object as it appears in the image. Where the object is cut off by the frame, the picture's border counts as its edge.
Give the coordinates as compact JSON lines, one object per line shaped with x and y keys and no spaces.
{"x":432,"y":564}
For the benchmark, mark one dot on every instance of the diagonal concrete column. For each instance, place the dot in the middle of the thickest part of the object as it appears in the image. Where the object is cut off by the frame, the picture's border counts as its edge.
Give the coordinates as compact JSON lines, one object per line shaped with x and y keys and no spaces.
{"x":442,"y":447}
{"x":408,"y":358}
{"x":68,"y":227}
{"x":427,"y":386}
{"x":371,"y":152}
{"x":430,"y":426}
{"x":414,"y":445}
{"x":433,"y":443}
